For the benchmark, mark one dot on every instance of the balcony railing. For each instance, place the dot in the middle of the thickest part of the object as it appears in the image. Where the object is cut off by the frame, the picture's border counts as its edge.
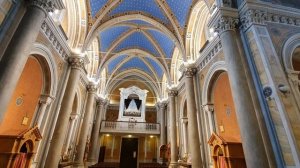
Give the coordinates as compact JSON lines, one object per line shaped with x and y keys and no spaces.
{"x":129,"y":127}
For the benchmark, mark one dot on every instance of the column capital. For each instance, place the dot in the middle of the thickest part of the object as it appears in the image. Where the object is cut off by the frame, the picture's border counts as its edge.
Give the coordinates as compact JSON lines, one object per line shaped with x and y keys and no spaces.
{"x":73,"y":117}
{"x":225,"y":19}
{"x":189,"y":72}
{"x":252,"y":16}
{"x":102,"y":102}
{"x":76,"y":62}
{"x":92,"y":88}
{"x":184,"y":120}
{"x":226,"y":23}
{"x":208,"y":107}
{"x":161,"y":105}
{"x":45,"y":5}
{"x":46,"y":99}
{"x":172,"y":92}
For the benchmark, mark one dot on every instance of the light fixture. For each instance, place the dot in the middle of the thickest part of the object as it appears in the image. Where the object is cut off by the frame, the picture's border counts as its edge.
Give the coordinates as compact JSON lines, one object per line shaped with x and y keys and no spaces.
{"x":129,"y":136}
{"x":107,"y":135}
{"x":151,"y":136}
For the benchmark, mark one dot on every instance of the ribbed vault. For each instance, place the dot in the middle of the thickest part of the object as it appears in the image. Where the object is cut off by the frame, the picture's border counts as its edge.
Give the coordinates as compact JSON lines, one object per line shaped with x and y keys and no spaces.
{"x":137,"y":39}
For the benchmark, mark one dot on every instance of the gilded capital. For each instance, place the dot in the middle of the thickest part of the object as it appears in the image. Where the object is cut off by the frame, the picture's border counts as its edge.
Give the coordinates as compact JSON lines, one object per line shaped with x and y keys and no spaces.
{"x":226,"y":23}
{"x":45,"y":5}
{"x":76,"y":62}
{"x":190,"y":72}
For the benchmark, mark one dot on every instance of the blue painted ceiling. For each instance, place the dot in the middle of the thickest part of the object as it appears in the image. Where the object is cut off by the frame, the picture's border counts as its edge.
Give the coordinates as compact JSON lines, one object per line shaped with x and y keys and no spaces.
{"x":137,"y":40}
{"x":137,"y":63}
{"x":109,"y":35}
{"x":147,"y":6}
{"x":96,"y":5}
{"x":178,"y":8}
{"x":164,"y":42}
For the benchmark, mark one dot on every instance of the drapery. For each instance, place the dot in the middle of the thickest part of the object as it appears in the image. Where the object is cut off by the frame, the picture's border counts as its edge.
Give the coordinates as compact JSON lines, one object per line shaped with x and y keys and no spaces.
{"x":20,"y":161}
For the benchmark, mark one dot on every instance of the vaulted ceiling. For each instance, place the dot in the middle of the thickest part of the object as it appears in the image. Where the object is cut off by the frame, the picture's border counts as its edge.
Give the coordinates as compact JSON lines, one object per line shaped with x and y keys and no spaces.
{"x":138,"y":35}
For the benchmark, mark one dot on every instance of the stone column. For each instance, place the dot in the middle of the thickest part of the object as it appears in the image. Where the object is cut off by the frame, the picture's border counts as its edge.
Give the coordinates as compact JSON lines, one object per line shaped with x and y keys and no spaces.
{"x":173,"y":131}
{"x":95,"y":144}
{"x":45,"y":100}
{"x":70,"y":133}
{"x":185,"y":135}
{"x":55,"y":149}
{"x":161,"y":106}
{"x":225,"y":23}
{"x":194,"y":140}
{"x":88,"y":115}
{"x":18,"y":50}
{"x":208,"y":109}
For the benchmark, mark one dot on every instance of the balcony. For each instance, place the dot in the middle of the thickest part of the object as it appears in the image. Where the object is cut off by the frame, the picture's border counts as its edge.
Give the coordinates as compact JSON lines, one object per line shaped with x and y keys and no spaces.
{"x":129,"y":127}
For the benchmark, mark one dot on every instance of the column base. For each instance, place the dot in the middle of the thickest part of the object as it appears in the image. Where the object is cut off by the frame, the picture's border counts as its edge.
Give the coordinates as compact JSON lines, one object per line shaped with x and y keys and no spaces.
{"x":78,"y":165}
{"x":173,"y":165}
{"x":162,"y":161}
{"x":91,"y":162}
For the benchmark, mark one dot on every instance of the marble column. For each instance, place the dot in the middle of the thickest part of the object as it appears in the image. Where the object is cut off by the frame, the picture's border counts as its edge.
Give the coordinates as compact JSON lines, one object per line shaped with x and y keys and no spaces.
{"x":45,"y":101}
{"x":161,"y":106}
{"x":253,"y":146}
{"x":95,"y":144}
{"x":55,"y":149}
{"x":70,"y":133}
{"x":173,"y":132}
{"x":18,"y":50}
{"x":88,"y":117}
{"x":209,"y":109}
{"x":185,"y":134}
{"x":194,"y":140}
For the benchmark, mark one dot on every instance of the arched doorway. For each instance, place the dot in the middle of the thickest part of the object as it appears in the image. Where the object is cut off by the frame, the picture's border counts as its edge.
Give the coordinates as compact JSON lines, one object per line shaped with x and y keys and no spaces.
{"x":25,"y":100}
{"x":227,"y":133}
{"x":224,"y":110}
{"x":23,"y":159}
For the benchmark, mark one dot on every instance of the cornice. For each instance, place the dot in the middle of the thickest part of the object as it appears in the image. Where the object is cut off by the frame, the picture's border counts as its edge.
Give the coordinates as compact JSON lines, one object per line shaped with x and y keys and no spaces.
{"x":211,"y":50}
{"x":260,"y":13}
{"x":45,"y":5}
{"x":56,"y":38}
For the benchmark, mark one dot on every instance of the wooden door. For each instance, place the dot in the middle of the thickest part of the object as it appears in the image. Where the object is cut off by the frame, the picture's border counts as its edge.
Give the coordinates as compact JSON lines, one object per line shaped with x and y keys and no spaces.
{"x":129,"y":153}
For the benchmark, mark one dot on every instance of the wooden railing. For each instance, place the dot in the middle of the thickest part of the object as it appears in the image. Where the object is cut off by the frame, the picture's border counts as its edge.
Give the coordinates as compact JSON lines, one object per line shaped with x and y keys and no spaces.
{"x":129,"y":127}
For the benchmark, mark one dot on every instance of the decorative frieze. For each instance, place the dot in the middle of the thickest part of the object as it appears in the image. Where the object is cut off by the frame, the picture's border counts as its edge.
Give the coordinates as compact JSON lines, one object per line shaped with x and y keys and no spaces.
{"x":209,"y":53}
{"x":56,"y":38}
{"x":256,"y":16}
{"x":45,"y":5}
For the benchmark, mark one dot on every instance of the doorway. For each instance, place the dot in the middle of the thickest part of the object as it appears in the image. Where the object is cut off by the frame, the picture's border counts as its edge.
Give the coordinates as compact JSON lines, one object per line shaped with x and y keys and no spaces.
{"x":129,"y":153}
